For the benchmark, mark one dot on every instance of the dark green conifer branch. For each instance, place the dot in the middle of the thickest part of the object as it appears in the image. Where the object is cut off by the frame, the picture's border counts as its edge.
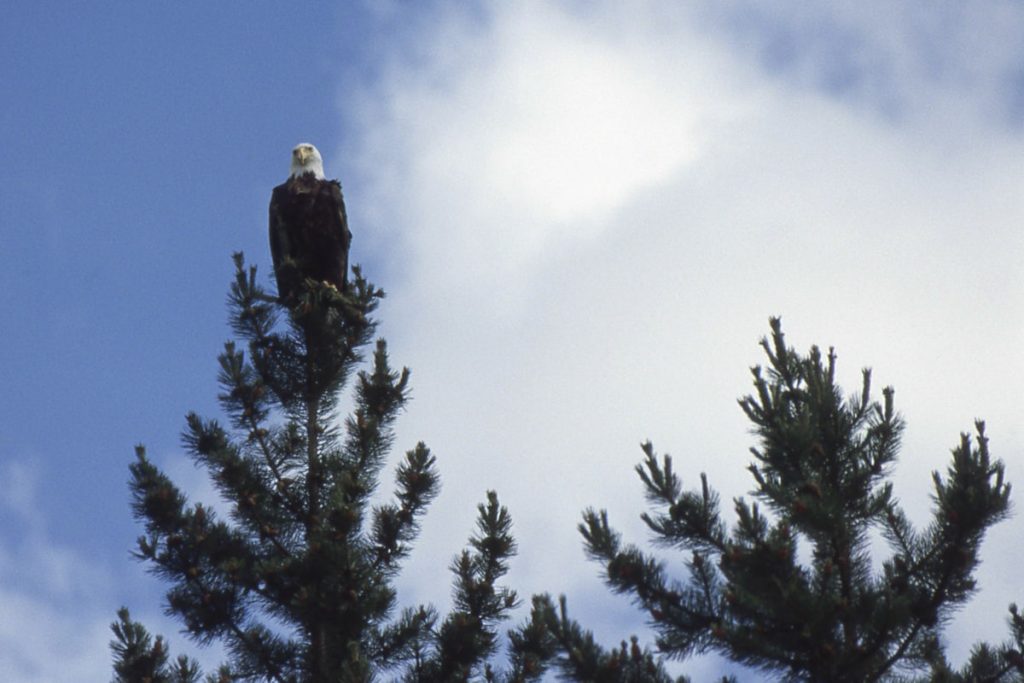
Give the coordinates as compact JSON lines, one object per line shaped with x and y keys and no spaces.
{"x":297,"y":581}
{"x":552,"y":639}
{"x":141,"y":658}
{"x":459,"y":647}
{"x":821,"y":466}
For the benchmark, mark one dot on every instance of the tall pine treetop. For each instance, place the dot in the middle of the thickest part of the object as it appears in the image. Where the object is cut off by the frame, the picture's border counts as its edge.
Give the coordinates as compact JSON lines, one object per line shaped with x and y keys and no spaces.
{"x":298,"y":581}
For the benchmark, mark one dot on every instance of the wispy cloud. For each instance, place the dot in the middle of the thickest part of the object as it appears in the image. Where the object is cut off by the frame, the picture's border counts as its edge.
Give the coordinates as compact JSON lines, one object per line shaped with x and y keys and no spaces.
{"x":57,"y":604}
{"x":590,"y":216}
{"x":913,"y":62}
{"x":529,"y":132}
{"x":39,"y":580}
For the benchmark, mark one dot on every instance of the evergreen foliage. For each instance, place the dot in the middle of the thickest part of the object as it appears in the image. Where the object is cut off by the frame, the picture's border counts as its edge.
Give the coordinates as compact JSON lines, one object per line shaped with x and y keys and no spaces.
{"x":298,"y":582}
{"x":820,"y":467}
{"x":551,"y":639}
{"x":138,"y":657}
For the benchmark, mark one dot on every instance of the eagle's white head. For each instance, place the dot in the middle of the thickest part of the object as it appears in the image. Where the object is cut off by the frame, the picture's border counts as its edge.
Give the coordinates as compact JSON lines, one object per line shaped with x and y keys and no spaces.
{"x":306,"y":159}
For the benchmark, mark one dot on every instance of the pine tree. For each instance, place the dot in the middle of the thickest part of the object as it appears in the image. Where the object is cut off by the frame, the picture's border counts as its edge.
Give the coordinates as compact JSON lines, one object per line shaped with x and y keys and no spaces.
{"x":298,"y":582}
{"x":820,"y":469}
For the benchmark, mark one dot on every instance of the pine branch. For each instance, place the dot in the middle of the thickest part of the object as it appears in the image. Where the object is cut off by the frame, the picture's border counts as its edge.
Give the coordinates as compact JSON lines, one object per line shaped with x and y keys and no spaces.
{"x":139,"y":658}
{"x":689,"y":520}
{"x":552,"y":638}
{"x":820,"y":467}
{"x":395,"y":526}
{"x":467,"y":637}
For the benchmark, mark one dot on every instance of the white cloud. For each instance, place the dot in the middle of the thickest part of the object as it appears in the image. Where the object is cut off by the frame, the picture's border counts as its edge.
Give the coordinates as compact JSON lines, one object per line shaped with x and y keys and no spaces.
{"x":39,"y":580}
{"x":588,"y":219}
{"x":34,"y":630}
{"x":913,"y":62}
{"x":526,"y":135}
{"x":56,"y":605}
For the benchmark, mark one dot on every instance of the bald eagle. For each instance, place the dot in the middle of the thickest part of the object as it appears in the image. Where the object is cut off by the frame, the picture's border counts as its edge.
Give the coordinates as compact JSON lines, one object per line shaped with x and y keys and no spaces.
{"x":309,"y":235}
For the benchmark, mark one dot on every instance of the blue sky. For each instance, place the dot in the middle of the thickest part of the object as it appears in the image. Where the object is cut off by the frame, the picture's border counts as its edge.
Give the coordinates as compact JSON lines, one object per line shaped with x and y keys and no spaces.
{"x":583,"y":214}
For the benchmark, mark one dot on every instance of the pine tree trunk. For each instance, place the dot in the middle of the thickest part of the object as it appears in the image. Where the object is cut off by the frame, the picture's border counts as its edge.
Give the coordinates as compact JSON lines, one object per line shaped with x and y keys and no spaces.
{"x":317,"y":629}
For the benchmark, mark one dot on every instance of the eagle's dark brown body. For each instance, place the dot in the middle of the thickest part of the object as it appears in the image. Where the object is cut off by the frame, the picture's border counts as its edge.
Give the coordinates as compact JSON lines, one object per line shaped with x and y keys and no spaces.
{"x":309,"y":236}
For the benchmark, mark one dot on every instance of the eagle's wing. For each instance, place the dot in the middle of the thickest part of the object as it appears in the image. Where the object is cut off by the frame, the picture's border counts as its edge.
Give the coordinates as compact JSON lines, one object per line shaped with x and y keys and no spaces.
{"x":343,"y":235}
{"x":280,"y":249}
